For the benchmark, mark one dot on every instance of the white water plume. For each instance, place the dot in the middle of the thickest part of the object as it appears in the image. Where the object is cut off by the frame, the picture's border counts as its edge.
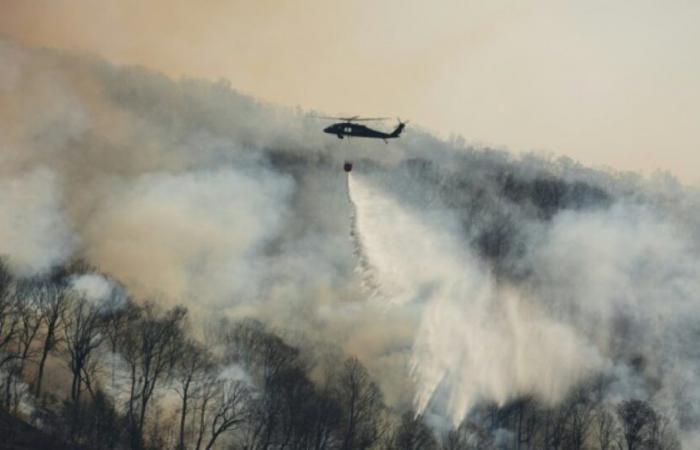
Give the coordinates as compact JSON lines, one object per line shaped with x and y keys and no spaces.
{"x":397,"y":245}
{"x":477,"y":340}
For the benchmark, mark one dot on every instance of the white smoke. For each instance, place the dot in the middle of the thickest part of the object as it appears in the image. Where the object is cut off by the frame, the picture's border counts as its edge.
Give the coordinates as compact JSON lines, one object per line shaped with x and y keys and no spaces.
{"x":91,"y":286}
{"x":636,"y":276}
{"x":495,"y":277}
{"x":188,"y":235}
{"x":34,"y":233}
{"x":100,"y":291}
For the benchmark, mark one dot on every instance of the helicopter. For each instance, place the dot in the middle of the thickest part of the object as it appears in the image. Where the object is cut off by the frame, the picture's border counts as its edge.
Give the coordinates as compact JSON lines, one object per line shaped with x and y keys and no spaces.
{"x":348,"y":128}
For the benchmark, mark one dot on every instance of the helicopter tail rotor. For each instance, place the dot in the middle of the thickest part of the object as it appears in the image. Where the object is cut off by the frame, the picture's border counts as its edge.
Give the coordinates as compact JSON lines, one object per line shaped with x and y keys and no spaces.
{"x":399,"y":128}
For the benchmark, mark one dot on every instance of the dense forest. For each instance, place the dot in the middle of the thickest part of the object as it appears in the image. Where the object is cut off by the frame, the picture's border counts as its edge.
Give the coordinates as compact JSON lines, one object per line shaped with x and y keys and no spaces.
{"x":112,"y":373}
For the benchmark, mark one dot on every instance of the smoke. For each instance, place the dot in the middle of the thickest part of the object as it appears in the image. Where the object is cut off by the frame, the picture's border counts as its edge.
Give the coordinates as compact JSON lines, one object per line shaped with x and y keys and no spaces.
{"x":101,"y":291}
{"x":34,"y":231}
{"x":482,"y":277}
{"x":197,"y":231}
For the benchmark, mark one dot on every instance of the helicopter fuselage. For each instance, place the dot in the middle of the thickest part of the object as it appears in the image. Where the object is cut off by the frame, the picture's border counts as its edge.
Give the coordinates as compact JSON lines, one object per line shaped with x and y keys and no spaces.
{"x":350,"y":129}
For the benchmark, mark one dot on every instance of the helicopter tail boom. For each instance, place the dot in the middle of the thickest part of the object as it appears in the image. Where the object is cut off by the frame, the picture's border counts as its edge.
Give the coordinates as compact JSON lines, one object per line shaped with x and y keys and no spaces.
{"x":397,"y":132}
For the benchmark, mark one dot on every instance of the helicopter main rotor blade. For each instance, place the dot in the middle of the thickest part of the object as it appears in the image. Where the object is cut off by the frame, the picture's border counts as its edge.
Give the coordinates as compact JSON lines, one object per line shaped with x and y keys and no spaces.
{"x":352,"y":119}
{"x":346,"y":119}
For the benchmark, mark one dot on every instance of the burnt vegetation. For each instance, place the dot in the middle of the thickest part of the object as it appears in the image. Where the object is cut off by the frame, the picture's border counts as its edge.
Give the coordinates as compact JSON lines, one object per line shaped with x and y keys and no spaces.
{"x":117,"y":374}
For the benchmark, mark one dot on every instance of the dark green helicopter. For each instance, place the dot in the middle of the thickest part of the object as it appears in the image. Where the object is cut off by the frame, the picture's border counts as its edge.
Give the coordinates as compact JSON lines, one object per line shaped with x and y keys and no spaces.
{"x":350,"y":129}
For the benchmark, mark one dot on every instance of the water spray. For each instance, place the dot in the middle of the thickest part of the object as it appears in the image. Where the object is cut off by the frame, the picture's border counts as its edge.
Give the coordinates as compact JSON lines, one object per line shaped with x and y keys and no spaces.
{"x":363,"y":267}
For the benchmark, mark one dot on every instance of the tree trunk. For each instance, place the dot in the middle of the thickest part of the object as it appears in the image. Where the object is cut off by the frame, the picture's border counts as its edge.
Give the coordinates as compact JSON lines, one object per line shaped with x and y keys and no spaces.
{"x":350,"y":433}
{"x":201,"y":422}
{"x":131,"y":419}
{"x":211,"y":442}
{"x":40,"y":375}
{"x":74,"y":387}
{"x":8,"y":390}
{"x":142,"y":416}
{"x":183,"y":416}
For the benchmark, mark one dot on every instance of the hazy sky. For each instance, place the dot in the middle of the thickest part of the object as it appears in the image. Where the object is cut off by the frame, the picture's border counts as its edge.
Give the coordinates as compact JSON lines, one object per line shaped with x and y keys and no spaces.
{"x":613,"y":83}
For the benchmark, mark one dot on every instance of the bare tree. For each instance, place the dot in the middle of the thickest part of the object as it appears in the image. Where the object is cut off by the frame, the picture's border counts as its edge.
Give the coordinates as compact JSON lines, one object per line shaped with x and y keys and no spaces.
{"x":524,"y":413}
{"x":639,"y":424}
{"x":53,"y":299}
{"x":116,"y":326}
{"x":150,"y":346}
{"x":205,"y":397}
{"x":192,"y":369}
{"x":666,"y":437}
{"x":230,"y":408}
{"x":83,"y":333}
{"x":607,"y":429}
{"x":578,"y":413}
{"x":9,"y":319}
{"x":362,"y":405}
{"x":30,"y":318}
{"x":29,"y":323}
{"x":327,"y":419}
{"x":325,"y":408}
{"x":412,"y":434}
{"x":468,"y":436}
{"x":272,"y":364}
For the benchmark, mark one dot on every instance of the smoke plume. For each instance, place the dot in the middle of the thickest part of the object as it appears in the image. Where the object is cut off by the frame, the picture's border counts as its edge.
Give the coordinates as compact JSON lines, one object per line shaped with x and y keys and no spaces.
{"x":483,"y":277}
